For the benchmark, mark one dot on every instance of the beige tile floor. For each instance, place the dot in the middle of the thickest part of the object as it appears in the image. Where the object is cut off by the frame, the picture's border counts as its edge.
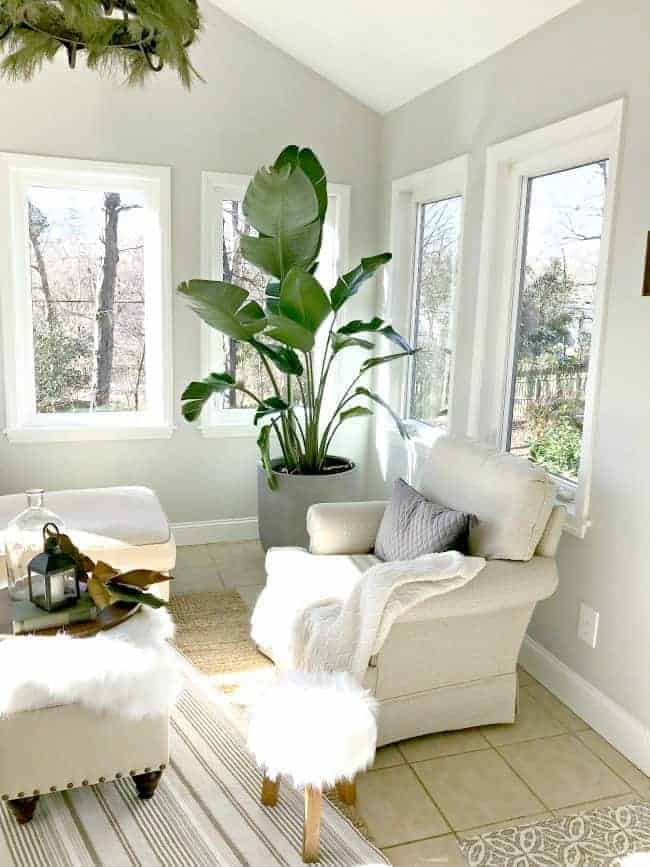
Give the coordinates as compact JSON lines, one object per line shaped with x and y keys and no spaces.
{"x":423,"y":795}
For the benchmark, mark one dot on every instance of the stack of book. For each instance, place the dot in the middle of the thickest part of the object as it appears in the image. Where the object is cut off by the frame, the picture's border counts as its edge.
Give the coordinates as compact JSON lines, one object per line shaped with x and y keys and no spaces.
{"x":27,"y":617}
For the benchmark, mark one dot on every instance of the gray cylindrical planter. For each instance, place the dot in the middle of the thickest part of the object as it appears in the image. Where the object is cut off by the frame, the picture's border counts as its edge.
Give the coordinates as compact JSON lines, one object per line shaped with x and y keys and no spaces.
{"x":282,"y":513}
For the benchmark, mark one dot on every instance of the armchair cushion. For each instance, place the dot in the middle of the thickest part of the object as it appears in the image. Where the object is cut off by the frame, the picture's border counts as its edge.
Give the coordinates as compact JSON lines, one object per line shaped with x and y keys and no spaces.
{"x":413,"y":526}
{"x":511,"y":497}
{"x":344,"y":528}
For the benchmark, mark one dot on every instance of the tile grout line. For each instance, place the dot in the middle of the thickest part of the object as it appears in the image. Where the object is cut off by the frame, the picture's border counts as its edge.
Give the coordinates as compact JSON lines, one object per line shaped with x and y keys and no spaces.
{"x":604,"y":761}
{"x":432,"y":799}
{"x":515,"y":772}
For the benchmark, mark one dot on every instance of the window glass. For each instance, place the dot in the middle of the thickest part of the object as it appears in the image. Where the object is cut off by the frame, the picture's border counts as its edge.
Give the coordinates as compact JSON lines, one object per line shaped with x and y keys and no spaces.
{"x":435,"y":279}
{"x":86,"y":273}
{"x":563,"y":221}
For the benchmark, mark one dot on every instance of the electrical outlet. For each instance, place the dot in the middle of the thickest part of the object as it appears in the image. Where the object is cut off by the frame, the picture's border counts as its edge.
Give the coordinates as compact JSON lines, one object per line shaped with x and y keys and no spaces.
{"x":588,"y":619}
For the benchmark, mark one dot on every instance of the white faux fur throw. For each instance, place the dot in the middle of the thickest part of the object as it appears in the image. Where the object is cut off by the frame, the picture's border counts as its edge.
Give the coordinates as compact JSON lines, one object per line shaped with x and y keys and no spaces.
{"x":314,"y":728}
{"x":130,"y":670}
{"x":310,"y":618}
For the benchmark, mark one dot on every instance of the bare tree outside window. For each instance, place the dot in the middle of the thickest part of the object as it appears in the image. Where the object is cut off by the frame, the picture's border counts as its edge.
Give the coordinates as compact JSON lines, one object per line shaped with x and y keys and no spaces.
{"x":435,"y":287}
{"x":241,"y":361}
{"x":563,"y":219}
{"x":88,"y":306}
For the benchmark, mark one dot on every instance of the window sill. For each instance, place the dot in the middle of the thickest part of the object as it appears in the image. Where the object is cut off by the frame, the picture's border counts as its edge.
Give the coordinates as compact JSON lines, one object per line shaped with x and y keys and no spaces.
{"x":55,"y":434}
{"x":229,"y":430}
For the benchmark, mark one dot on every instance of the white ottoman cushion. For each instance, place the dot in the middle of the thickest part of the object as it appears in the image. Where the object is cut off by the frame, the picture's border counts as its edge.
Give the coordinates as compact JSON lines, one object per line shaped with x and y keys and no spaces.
{"x":125,"y":526}
{"x":316,"y":728}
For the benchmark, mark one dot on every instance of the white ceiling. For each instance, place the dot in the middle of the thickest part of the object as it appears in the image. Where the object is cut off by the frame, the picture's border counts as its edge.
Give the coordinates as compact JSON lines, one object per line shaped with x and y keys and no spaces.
{"x":385,"y":52}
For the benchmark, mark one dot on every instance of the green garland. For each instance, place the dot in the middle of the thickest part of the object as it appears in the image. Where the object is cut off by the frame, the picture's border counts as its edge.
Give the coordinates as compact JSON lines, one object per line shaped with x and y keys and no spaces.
{"x":134,"y":37}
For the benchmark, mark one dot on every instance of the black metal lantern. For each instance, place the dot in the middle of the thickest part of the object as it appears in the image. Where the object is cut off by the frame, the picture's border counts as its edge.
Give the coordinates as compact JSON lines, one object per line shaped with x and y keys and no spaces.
{"x":52,"y":575}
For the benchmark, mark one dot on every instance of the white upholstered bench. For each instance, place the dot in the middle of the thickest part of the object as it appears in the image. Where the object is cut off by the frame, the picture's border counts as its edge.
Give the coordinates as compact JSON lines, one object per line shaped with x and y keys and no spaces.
{"x":124,"y":526}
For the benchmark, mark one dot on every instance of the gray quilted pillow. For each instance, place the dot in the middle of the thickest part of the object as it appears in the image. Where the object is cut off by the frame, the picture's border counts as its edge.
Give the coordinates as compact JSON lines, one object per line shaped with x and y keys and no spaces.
{"x":412,"y":526}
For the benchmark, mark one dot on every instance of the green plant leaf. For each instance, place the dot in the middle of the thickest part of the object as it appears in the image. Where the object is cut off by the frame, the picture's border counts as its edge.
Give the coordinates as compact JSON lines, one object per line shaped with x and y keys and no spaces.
{"x":270,"y":406}
{"x":264,"y":445}
{"x":348,"y":284}
{"x":354,"y":412}
{"x":291,"y":333}
{"x":308,"y":161}
{"x":224,"y":307}
{"x":284,"y":358}
{"x":282,"y":204}
{"x":340,"y":341}
{"x":304,"y":300}
{"x":197,"y":393}
{"x":377,"y":326}
{"x":122,"y":593}
{"x":383,"y":359}
{"x":371,"y":395}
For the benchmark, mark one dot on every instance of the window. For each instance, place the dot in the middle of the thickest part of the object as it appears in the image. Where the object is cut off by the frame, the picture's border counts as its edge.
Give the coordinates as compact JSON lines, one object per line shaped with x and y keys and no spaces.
{"x":427,"y":221}
{"x":562,"y":215}
{"x":549,"y":198}
{"x":223,"y":223}
{"x":435,"y":278}
{"x":85,"y":314}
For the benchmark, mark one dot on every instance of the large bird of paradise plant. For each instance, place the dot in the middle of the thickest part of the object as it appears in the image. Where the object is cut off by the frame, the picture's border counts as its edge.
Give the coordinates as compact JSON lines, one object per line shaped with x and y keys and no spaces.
{"x":286,"y":205}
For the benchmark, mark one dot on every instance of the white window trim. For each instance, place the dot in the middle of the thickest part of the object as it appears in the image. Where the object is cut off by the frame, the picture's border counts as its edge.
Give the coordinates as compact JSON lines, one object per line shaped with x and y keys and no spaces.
{"x":580,"y":139}
{"x":442,"y":181}
{"x":218,"y":187}
{"x":23,"y":423}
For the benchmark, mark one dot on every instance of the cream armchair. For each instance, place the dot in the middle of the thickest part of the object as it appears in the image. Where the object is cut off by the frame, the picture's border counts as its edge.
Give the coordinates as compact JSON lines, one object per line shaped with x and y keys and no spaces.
{"x":450,"y":662}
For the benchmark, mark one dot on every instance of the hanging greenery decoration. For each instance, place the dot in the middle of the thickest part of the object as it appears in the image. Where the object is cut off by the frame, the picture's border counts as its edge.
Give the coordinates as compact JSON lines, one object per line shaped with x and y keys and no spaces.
{"x":132,"y":37}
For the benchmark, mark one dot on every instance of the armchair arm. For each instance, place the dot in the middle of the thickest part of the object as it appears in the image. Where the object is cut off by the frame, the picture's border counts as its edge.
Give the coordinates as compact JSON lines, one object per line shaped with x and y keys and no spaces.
{"x":344,"y":528}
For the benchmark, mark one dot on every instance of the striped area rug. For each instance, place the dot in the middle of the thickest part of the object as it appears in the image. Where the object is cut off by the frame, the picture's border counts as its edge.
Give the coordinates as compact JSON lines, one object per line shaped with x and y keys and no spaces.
{"x":205,"y":812}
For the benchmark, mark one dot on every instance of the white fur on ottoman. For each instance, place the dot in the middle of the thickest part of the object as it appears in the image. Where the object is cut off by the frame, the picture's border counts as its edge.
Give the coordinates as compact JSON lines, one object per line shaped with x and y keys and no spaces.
{"x":319,"y":730}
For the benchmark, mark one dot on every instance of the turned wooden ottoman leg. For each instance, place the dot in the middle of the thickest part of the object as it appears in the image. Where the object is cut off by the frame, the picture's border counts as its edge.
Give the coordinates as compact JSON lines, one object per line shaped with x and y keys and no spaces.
{"x":311,"y":828}
{"x":23,"y":808}
{"x":347,"y":792}
{"x":146,"y":783}
{"x":270,"y":789}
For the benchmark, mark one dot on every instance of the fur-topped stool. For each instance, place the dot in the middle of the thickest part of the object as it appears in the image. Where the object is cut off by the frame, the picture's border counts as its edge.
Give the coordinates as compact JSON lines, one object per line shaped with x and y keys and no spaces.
{"x":318,"y":730}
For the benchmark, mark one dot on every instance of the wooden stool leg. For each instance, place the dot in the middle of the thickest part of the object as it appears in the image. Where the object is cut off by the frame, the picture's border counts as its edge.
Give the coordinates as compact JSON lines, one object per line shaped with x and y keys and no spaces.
{"x":347,"y":792}
{"x":311,"y":828}
{"x":270,"y":789}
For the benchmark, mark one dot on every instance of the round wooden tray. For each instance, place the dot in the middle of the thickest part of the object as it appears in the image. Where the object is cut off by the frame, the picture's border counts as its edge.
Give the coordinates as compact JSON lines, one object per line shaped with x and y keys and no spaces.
{"x":107,"y":618}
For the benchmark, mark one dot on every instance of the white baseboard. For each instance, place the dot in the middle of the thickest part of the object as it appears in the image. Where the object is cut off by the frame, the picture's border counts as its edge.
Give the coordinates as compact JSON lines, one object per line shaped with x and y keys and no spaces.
{"x":624,"y":731}
{"x":204,"y":532}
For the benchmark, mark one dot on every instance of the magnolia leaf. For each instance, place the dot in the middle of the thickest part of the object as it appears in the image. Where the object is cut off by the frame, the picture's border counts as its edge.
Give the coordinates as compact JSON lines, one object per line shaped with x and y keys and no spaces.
{"x":264,"y":445}
{"x":98,"y":593}
{"x":224,"y":307}
{"x":401,"y":427}
{"x":348,"y":284}
{"x":141,"y":578}
{"x":340,"y":341}
{"x":383,"y":359}
{"x":284,"y":358}
{"x":270,"y":406}
{"x":376,"y":326}
{"x":304,"y":300}
{"x":83,"y":563}
{"x":121,"y":593}
{"x":103,"y":572}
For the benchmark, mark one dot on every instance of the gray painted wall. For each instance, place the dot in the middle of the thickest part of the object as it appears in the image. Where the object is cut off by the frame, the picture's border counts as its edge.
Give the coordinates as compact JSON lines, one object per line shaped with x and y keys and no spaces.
{"x":594,"y":53}
{"x":254,"y":101}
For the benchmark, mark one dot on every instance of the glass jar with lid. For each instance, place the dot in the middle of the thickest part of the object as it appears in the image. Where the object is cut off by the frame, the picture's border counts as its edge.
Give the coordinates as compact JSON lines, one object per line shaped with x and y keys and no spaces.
{"x":24,"y":540}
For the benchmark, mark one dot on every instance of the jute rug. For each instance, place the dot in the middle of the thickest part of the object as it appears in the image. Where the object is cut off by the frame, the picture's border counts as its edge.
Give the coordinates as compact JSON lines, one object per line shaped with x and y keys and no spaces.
{"x":600,"y":838}
{"x":206,"y":811}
